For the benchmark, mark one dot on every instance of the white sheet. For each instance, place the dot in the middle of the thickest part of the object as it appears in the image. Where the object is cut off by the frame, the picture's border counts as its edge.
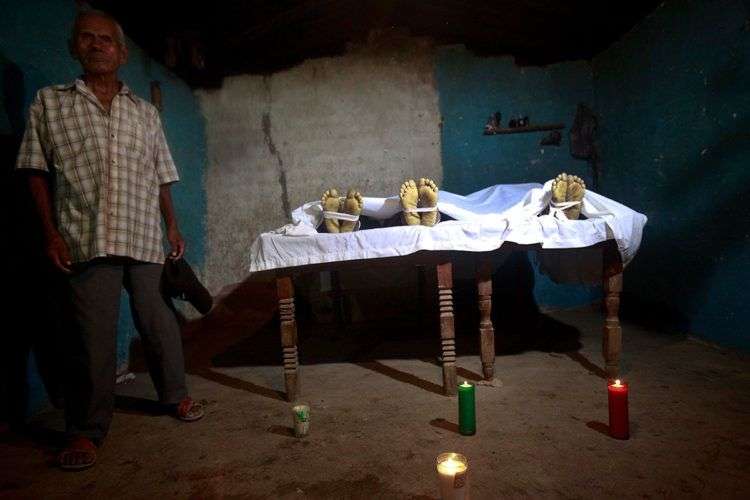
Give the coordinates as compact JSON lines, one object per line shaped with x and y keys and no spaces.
{"x":484,"y":220}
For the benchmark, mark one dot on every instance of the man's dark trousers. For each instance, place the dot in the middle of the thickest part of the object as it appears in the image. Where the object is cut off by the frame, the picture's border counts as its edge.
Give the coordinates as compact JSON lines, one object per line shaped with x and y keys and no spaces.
{"x":95,"y":289}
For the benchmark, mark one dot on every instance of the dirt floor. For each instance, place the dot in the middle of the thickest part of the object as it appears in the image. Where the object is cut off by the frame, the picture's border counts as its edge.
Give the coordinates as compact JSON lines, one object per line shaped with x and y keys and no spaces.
{"x":378,"y":419}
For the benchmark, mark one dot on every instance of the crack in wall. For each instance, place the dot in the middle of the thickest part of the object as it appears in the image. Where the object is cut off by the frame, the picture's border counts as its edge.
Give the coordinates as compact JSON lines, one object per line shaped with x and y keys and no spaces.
{"x":266,"y":125}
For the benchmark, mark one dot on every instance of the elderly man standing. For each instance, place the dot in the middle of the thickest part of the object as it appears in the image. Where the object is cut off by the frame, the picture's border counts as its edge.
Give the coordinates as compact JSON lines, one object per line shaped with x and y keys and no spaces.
{"x":105,"y":149}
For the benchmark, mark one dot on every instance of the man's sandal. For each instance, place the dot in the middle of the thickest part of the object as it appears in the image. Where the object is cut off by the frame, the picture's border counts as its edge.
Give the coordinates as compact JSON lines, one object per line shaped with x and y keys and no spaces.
{"x":188,"y":410}
{"x":80,"y":454}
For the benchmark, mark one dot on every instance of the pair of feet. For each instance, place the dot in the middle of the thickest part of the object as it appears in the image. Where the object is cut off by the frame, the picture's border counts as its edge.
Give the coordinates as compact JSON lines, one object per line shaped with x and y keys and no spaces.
{"x":567,"y":188}
{"x":80,"y":453}
{"x":417,"y":198}
{"x":422,"y":194}
{"x":351,"y":205}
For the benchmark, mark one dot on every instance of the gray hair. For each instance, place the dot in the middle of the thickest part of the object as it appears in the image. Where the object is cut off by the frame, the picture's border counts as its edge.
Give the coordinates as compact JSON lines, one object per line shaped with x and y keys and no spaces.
{"x":98,"y":13}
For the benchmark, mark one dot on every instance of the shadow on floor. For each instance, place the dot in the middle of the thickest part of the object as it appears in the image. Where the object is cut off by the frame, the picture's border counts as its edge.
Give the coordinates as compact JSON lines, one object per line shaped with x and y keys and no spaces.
{"x":599,"y":427}
{"x":243,"y":330}
{"x":441,"y":423}
{"x":394,"y":338}
{"x":138,"y":406}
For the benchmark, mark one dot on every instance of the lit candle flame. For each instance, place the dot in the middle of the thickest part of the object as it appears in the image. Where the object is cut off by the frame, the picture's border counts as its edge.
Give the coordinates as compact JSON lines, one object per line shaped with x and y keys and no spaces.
{"x":452,"y":465}
{"x":466,"y":384}
{"x":617,"y":383}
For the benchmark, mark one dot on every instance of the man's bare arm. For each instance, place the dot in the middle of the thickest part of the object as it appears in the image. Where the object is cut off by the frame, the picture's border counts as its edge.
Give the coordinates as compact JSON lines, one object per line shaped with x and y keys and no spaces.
{"x":55,"y":247}
{"x":170,"y":220}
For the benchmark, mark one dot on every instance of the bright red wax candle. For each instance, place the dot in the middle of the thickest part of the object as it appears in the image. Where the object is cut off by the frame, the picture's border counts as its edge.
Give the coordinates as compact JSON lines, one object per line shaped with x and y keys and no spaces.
{"x":619,"y":425}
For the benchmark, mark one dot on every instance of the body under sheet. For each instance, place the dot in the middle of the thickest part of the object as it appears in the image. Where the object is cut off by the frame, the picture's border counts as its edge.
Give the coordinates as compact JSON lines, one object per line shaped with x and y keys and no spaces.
{"x":481,"y":222}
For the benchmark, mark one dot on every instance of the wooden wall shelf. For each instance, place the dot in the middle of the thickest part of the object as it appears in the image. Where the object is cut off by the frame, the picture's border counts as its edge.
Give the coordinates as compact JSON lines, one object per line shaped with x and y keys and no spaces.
{"x":530,"y":128}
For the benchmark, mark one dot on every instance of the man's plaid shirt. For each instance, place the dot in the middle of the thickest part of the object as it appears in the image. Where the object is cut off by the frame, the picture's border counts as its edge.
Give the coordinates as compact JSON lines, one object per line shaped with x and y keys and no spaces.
{"x":108,"y":168}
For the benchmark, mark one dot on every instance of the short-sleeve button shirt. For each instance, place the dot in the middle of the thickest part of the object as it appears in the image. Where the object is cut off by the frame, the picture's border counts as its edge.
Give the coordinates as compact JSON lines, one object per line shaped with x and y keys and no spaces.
{"x":107,"y":166}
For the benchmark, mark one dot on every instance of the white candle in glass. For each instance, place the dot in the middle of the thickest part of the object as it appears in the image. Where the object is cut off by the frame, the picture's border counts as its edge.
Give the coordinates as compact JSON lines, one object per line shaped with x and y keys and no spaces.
{"x":452,"y":476}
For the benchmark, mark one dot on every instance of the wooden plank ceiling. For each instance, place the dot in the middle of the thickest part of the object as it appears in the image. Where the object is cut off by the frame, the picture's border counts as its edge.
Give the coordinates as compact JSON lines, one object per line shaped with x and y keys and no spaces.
{"x":205,"y":41}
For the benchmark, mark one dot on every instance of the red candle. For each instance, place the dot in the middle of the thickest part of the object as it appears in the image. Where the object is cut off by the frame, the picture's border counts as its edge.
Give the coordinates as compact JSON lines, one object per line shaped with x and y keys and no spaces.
{"x":619,"y":426}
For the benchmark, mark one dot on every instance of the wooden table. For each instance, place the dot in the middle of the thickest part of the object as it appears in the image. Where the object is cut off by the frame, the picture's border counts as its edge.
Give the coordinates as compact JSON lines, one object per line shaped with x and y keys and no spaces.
{"x":611,"y":276}
{"x":442,"y":263}
{"x":439,"y":261}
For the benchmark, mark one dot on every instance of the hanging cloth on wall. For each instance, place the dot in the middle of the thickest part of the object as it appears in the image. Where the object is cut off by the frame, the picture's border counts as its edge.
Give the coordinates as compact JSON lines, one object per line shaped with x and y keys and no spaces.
{"x":583,"y":139}
{"x":583,"y":134}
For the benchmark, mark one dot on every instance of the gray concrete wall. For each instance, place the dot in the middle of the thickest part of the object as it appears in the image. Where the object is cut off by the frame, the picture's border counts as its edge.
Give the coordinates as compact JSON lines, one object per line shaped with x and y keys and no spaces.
{"x":368,"y":120}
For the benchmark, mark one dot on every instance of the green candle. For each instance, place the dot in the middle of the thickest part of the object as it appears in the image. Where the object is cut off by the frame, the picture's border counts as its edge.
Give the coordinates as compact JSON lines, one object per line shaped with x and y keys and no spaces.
{"x":467,"y":420}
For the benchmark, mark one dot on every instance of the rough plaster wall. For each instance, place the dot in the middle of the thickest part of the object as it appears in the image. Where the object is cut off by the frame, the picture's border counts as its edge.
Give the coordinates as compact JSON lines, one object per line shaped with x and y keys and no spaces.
{"x":367,"y":120}
{"x":673,"y":98}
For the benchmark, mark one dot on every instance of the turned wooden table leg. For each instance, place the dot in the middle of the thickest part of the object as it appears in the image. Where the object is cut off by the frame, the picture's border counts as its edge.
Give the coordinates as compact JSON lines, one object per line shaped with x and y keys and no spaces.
{"x":612,"y":339}
{"x":486,"y":330}
{"x":447,"y":327}
{"x":285,"y":290}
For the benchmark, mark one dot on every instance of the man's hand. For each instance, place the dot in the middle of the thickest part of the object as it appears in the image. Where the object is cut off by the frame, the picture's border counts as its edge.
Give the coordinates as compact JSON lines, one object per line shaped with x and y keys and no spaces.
{"x":173,"y":234}
{"x":55,"y":247}
{"x":176,"y":242}
{"x":58,"y":252}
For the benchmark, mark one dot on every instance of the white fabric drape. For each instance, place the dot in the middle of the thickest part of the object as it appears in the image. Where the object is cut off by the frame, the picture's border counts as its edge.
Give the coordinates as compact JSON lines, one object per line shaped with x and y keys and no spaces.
{"x":484,"y":220}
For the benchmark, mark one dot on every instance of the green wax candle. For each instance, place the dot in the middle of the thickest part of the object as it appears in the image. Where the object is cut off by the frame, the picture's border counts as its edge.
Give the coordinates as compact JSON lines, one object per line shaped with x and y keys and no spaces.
{"x":467,"y":420}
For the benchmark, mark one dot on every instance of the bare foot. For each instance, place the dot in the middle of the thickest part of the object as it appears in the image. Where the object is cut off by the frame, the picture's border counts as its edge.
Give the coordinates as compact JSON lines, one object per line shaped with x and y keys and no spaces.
{"x":428,"y":198}
{"x":351,"y":205}
{"x":576,"y":191}
{"x":331,"y":203}
{"x":560,"y":188}
{"x":569,"y":188}
{"x":409,"y":198}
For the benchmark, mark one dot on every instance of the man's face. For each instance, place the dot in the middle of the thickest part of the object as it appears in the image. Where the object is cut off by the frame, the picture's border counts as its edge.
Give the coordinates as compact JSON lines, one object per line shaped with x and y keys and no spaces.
{"x":97,"y":47}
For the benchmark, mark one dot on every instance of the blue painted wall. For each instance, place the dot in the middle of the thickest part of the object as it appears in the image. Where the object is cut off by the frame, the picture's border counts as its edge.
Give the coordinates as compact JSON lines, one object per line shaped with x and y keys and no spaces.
{"x":470,"y":89}
{"x":33,"y":50}
{"x":674,"y":101}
